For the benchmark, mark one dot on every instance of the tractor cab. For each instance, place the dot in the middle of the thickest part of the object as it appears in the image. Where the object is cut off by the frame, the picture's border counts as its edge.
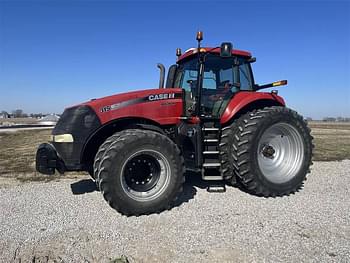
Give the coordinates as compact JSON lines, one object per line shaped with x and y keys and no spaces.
{"x":210,"y":77}
{"x":222,"y":78}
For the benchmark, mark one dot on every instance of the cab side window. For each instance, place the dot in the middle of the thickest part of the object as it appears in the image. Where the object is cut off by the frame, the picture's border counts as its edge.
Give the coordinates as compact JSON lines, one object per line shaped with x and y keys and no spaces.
{"x":227,"y":75}
{"x":245,"y":77}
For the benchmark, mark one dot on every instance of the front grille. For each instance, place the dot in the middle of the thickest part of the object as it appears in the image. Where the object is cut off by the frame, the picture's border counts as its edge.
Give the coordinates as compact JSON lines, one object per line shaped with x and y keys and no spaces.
{"x":81,"y":122}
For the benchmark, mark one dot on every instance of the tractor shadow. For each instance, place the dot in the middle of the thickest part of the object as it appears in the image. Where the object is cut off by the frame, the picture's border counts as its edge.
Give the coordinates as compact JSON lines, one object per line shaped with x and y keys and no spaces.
{"x":83,"y":187}
{"x":193,"y":181}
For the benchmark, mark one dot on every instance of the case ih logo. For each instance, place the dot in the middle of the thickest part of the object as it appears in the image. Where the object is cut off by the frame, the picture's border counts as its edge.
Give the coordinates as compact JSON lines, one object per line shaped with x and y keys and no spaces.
{"x":163,"y":96}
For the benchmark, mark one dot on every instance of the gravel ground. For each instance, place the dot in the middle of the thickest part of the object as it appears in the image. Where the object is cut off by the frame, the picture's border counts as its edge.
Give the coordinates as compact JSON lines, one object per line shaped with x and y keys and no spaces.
{"x":68,"y":221}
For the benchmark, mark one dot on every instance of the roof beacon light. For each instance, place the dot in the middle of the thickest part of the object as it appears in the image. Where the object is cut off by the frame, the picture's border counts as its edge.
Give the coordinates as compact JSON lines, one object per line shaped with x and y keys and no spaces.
{"x":199,"y":36}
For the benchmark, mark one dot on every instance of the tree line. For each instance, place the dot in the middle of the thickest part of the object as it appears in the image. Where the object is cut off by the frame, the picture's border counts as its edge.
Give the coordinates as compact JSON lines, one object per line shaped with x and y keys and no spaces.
{"x":21,"y":114}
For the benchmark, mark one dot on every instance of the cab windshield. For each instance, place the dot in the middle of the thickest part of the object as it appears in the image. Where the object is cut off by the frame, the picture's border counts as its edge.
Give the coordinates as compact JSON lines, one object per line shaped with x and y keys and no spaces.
{"x":221,"y":76}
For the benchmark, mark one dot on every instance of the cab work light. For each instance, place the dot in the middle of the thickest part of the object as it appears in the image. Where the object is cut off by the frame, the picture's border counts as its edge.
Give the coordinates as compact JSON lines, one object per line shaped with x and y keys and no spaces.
{"x":273,"y":84}
{"x":279,"y":83}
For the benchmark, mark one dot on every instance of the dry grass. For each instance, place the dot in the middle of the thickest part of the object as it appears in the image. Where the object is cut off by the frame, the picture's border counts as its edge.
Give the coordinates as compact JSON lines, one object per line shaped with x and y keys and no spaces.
{"x":17,"y":154}
{"x":332,"y":141}
{"x":19,"y":121}
{"x":17,"y":149}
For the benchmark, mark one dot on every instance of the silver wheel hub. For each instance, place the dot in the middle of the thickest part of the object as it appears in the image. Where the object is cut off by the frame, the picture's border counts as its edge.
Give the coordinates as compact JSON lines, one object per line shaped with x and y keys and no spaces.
{"x":280,"y":153}
{"x":145,"y":175}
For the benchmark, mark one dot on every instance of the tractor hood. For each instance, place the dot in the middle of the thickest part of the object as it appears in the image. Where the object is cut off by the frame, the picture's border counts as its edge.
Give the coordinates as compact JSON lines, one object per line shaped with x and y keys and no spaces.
{"x":154,"y":104}
{"x":78,"y":123}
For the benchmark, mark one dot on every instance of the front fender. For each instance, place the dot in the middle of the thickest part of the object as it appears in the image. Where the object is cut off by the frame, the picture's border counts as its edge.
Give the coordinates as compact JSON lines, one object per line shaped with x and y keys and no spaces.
{"x":244,"y":98}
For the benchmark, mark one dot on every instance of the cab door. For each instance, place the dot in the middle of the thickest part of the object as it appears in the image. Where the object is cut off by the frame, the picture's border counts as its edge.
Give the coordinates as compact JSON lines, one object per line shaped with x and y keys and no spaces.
{"x":219,"y":85}
{"x":186,"y":78}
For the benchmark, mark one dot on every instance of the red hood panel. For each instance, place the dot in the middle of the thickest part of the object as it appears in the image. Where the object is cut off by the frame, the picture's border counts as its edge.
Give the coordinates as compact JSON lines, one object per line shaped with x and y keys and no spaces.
{"x":160,"y":105}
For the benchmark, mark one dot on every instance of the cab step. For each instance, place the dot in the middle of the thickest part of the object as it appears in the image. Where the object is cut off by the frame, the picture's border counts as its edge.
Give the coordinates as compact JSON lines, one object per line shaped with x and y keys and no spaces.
{"x":212,"y":178}
{"x":216,"y":188}
{"x":211,"y":152}
{"x":211,"y":140}
{"x":211,"y":165}
{"x":210,"y":129}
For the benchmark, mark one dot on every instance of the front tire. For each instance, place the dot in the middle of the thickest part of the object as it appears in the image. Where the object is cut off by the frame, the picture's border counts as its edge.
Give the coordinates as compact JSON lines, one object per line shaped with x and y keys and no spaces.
{"x":99,"y":155}
{"x":142,"y":172}
{"x":270,"y":151}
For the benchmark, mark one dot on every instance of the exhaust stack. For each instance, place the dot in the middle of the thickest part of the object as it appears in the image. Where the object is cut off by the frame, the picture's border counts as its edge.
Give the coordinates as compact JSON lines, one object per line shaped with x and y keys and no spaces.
{"x":162,"y":75}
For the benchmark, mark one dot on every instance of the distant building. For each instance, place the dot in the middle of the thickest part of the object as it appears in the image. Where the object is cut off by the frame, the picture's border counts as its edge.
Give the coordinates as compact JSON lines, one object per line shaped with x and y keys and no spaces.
{"x":329,"y":119}
{"x":308,"y":118}
{"x":49,"y":120}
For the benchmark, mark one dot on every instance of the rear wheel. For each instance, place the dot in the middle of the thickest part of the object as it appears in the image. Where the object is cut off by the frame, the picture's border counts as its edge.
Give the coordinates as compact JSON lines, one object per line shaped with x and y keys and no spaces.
{"x":141,"y":172}
{"x":270,"y":151}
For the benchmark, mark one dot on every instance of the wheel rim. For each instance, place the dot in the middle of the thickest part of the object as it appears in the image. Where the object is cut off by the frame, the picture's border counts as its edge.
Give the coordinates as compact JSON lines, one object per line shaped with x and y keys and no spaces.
{"x":145,"y":175}
{"x":280,"y":153}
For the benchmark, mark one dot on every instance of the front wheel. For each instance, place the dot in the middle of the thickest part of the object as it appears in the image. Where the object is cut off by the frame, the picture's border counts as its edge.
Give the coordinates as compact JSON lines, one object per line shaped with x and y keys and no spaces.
{"x":141,"y":172}
{"x":270,"y":151}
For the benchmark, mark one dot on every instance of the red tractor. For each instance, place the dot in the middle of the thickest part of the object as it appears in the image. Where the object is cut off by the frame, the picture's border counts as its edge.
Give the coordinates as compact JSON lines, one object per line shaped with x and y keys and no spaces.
{"x":209,"y":118}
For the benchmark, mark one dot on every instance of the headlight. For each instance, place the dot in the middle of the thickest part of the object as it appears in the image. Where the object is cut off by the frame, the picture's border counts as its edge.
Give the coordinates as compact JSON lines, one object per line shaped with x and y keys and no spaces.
{"x":62,"y":138}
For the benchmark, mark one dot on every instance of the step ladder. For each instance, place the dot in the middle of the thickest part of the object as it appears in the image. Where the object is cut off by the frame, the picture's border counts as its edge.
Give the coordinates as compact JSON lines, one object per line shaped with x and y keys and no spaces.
{"x":211,"y":132}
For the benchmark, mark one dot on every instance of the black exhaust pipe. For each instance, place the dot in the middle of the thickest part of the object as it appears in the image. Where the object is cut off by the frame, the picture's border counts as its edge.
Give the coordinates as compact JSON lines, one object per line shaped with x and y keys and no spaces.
{"x":162,"y":75}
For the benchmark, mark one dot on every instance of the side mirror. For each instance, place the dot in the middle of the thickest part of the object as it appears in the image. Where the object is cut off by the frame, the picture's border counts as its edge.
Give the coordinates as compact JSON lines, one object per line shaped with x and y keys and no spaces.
{"x":226,"y":50}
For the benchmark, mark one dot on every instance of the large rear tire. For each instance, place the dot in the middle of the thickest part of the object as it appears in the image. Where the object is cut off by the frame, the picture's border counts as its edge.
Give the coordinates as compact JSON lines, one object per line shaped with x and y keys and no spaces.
{"x":269,"y":151}
{"x":141,"y":172}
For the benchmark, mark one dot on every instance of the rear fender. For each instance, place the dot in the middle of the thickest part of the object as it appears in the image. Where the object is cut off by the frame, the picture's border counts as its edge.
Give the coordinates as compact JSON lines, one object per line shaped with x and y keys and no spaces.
{"x":248,"y":100}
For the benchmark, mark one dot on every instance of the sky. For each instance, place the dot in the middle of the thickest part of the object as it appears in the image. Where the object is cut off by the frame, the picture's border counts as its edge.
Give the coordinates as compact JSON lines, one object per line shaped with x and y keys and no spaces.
{"x":54,"y":54}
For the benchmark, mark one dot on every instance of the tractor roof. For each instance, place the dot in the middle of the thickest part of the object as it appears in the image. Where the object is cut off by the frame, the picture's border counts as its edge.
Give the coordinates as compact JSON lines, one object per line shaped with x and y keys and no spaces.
{"x":192,"y":51}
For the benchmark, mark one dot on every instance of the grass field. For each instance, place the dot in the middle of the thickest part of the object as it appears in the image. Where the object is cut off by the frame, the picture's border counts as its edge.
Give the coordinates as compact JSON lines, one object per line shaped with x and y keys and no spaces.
{"x":17,"y":149}
{"x":332,"y":141}
{"x":19,"y":121}
{"x":17,"y":154}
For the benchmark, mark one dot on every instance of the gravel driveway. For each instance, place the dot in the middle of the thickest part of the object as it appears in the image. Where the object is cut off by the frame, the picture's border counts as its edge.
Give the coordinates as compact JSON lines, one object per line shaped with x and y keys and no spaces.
{"x":68,"y":221}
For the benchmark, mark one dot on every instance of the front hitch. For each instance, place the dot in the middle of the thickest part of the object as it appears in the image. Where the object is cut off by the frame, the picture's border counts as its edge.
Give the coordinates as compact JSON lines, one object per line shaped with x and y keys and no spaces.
{"x":47,"y":160}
